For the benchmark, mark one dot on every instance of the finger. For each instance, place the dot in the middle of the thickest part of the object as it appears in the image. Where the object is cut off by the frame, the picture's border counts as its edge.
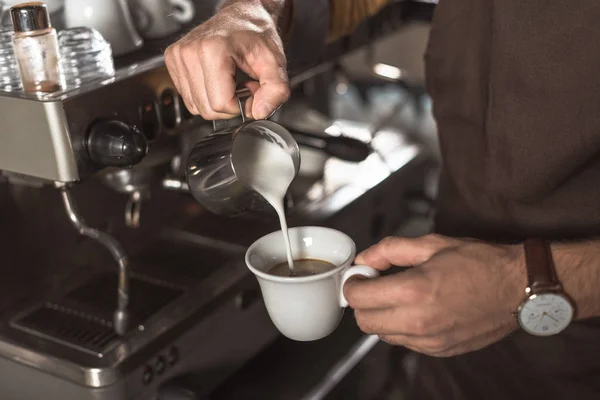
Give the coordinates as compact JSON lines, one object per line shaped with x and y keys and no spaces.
{"x":195,"y":80}
{"x":448,"y":345}
{"x":272,"y":76}
{"x":176,"y":69}
{"x":404,"y":288}
{"x":218,"y":69}
{"x":409,"y":321}
{"x":402,"y":251}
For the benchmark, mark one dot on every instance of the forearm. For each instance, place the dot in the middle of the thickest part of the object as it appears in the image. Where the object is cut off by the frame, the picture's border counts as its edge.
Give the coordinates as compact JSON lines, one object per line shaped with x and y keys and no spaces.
{"x":281,"y":11}
{"x":578,"y":269}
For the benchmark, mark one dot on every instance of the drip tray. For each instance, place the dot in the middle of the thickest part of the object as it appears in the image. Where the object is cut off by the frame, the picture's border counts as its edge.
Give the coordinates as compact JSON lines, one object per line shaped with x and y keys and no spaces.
{"x":181,"y":263}
{"x":83,"y":318}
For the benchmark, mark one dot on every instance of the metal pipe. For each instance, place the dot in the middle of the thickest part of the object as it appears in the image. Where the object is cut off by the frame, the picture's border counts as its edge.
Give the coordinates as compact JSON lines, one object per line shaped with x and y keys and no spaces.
{"x":120,"y":318}
{"x":342,"y":368}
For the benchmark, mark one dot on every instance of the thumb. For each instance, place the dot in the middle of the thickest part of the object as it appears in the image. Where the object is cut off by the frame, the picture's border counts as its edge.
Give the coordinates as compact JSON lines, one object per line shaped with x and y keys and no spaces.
{"x":273,"y":90}
{"x":401,"y":251}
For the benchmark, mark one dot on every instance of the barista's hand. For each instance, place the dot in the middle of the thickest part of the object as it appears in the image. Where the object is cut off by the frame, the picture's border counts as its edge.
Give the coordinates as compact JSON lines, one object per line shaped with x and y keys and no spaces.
{"x":242,"y":34}
{"x":459,"y":296}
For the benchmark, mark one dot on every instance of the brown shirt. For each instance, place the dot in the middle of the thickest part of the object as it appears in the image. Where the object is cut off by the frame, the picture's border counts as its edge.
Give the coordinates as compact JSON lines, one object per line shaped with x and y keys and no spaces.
{"x":516,"y":90}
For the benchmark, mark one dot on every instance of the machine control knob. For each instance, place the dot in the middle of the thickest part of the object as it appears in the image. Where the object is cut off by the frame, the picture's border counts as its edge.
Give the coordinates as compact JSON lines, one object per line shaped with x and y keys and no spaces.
{"x":115,"y":144}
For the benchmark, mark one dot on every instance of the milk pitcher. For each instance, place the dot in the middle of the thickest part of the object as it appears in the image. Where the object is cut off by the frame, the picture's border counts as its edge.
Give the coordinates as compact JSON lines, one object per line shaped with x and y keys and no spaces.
{"x":213,"y":166}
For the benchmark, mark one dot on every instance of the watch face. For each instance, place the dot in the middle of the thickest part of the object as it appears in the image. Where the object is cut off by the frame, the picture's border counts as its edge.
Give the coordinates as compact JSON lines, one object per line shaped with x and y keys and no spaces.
{"x":545,"y":314}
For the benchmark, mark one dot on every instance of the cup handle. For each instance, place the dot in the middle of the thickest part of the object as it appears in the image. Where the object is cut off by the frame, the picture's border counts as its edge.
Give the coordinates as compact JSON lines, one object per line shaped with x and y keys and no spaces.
{"x":362,"y":270}
{"x":186,"y":13}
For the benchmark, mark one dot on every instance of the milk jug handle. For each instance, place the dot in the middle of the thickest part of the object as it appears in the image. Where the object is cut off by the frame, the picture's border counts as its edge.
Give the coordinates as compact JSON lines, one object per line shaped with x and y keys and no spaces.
{"x":242,"y":94}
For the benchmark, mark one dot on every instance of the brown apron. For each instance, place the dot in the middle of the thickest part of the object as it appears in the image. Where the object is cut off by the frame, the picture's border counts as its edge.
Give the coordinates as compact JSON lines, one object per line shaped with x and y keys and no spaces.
{"x":516,"y":93}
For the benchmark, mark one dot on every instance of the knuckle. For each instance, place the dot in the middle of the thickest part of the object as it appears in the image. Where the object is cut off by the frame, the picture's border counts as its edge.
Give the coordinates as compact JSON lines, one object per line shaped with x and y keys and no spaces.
{"x":218,"y":102}
{"x":393,"y":340}
{"x":434,"y":237}
{"x":438,"y":345}
{"x":390,"y":241}
{"x":436,"y":241}
{"x":171,"y":52}
{"x":424,"y":325}
{"x":410,"y":293}
{"x":188,"y":51}
{"x":366,"y":325}
{"x":206,"y":113}
{"x":210,"y":45}
{"x":189,"y":104}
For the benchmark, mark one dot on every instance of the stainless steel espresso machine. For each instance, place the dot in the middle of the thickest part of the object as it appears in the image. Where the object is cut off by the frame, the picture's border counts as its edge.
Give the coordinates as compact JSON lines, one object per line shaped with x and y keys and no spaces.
{"x":116,"y":284}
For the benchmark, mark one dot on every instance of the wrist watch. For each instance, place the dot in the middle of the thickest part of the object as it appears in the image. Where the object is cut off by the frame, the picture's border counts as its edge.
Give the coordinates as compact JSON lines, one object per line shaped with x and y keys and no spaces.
{"x":546,"y":310}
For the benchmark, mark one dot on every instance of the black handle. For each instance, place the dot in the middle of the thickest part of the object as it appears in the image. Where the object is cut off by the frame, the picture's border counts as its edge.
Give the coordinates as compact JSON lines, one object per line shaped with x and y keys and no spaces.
{"x":342,"y":147}
{"x":347,"y":149}
{"x":115,"y":144}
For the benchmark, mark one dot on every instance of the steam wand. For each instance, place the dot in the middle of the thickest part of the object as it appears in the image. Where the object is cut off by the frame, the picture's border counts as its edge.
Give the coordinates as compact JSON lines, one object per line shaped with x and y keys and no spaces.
{"x":121,"y":317}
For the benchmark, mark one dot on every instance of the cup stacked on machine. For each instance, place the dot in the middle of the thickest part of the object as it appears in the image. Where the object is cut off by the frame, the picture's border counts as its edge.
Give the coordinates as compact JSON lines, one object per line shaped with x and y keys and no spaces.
{"x":10,"y":78}
{"x":85,"y":56}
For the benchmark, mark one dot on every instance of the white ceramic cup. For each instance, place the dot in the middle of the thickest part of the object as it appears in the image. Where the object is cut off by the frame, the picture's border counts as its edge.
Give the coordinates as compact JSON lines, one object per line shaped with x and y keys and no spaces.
{"x":310,"y":307}
{"x":160,"y":18}
{"x":111,"y":18}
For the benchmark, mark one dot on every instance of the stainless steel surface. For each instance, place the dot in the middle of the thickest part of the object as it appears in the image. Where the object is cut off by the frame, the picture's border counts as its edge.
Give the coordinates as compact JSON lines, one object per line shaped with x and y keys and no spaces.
{"x":30,"y":17}
{"x":35,"y":140}
{"x":214,"y":163}
{"x":121,"y":314}
{"x":112,"y":358}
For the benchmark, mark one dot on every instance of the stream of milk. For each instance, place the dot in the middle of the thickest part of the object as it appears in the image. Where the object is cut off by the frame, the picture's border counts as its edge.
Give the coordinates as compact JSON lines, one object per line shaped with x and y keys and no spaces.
{"x":269,"y":170}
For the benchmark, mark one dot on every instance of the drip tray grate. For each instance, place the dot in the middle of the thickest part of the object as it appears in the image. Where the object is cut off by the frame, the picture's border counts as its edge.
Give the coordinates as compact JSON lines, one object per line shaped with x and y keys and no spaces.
{"x":83,"y":318}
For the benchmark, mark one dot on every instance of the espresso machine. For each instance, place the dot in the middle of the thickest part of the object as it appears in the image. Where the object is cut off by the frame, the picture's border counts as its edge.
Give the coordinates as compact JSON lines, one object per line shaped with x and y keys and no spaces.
{"x":117,"y":283}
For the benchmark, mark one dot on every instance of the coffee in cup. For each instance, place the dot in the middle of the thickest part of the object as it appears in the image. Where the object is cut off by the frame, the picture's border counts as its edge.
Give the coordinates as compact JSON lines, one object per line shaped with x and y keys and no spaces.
{"x":302,"y":267}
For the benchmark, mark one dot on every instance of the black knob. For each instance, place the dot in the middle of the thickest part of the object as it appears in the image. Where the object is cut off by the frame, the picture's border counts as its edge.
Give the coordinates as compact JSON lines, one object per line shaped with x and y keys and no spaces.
{"x":115,"y":144}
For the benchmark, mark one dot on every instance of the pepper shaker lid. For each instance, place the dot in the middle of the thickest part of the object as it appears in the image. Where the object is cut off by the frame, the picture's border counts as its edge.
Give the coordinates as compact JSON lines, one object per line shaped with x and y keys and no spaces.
{"x":31,"y":16}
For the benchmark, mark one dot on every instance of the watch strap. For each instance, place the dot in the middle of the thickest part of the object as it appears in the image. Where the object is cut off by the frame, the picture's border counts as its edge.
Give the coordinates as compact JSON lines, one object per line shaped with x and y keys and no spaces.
{"x":541,"y":273}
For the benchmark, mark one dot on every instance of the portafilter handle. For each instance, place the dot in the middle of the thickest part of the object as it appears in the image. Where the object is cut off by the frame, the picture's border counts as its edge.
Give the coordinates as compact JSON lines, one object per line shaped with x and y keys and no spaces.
{"x":121,"y":316}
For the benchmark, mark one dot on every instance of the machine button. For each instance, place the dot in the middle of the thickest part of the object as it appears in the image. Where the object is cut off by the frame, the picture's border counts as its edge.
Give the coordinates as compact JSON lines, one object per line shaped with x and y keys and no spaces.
{"x":147,"y":375}
{"x":115,"y":144}
{"x":150,"y":121}
{"x":160,"y":366}
{"x":172,"y":355}
{"x":168,"y":109}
